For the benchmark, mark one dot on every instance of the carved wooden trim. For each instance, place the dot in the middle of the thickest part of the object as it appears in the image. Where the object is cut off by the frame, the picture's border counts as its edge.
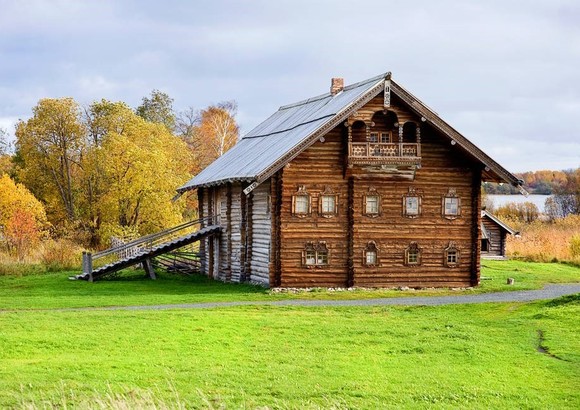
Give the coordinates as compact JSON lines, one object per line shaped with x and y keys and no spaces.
{"x":329,"y":193}
{"x":413,"y":249}
{"x":451,"y":255}
{"x":371,"y":247}
{"x":372,"y":192}
{"x":413,"y":198}
{"x":301,"y":194}
{"x":316,"y":254}
{"x":449,"y":202}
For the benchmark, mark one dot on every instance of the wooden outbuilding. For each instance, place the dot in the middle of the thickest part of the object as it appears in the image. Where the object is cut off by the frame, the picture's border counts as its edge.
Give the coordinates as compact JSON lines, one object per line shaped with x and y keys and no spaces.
{"x":493,"y":236}
{"x":362,"y":186}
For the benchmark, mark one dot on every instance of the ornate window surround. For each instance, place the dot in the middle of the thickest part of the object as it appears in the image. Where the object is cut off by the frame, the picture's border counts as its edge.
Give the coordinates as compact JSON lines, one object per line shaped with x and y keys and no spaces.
{"x":448,"y":210}
{"x":412,"y":197}
{"x":329,"y":195}
{"x":298,"y":198}
{"x":452,"y":255}
{"x":372,"y":192}
{"x":371,"y":255}
{"x":315,"y":255}
{"x":413,"y":254}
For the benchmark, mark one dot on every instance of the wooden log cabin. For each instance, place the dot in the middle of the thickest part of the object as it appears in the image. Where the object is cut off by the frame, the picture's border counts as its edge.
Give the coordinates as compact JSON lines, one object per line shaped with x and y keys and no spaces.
{"x":493,"y":236}
{"x":362,"y":186}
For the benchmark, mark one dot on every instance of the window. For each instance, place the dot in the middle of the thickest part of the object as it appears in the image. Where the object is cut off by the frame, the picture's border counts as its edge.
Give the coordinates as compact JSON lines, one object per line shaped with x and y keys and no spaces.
{"x":372,"y":203}
{"x":371,"y":254}
{"x":374,"y":137}
{"x":412,"y":203}
{"x":315,"y":254}
{"x":328,"y":203}
{"x":452,"y":254}
{"x":385,"y":137}
{"x":413,"y":254}
{"x":301,"y":202}
{"x":451,"y":205}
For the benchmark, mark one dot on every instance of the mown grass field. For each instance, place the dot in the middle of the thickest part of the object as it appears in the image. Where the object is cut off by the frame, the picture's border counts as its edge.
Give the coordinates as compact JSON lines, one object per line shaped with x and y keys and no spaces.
{"x":53,"y":290}
{"x":511,"y":355}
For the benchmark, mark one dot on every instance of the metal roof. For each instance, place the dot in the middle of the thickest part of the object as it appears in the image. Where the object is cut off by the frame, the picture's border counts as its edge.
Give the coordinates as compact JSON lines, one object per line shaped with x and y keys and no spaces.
{"x":293,"y":128}
{"x":286,"y":129}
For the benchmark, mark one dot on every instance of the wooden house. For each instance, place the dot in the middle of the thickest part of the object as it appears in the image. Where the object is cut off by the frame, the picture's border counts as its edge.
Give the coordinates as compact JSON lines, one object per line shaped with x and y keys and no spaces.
{"x":362,"y":186}
{"x":493,"y":236}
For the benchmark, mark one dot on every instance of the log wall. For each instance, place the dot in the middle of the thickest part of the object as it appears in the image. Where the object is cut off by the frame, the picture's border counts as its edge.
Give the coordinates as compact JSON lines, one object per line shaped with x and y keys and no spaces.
{"x":443,"y":166}
{"x":259,"y":269}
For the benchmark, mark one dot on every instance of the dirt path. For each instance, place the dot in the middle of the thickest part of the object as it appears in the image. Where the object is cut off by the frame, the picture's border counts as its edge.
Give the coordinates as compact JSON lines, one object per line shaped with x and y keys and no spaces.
{"x":548,"y":292}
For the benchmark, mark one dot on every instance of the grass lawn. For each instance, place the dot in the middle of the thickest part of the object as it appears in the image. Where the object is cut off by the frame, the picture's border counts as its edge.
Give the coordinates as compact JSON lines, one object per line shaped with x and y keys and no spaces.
{"x":53,"y":290}
{"x":449,"y":357}
{"x":514,"y":355}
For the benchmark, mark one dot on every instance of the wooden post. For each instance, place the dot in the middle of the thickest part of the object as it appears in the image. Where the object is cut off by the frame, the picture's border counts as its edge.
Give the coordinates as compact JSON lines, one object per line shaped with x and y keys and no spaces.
{"x":148,"y":267}
{"x":90,"y":266}
{"x":350,"y":234}
{"x":475,"y":227}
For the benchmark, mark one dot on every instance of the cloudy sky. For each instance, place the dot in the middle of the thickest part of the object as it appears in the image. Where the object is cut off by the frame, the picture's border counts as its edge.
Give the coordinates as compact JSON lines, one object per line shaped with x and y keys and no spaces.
{"x":505,"y":73}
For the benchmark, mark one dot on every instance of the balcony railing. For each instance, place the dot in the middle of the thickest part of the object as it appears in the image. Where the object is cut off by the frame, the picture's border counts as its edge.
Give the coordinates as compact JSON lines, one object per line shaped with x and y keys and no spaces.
{"x":384,"y":153}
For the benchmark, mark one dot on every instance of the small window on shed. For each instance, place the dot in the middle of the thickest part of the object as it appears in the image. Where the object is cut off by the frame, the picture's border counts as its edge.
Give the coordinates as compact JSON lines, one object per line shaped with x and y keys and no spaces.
{"x":451,"y":207}
{"x":328,"y":203}
{"x":412,"y":203}
{"x":371,"y":254}
{"x":451,"y":257}
{"x":315,"y":254}
{"x":413,"y":254}
{"x":372,"y":203}
{"x":301,"y":202}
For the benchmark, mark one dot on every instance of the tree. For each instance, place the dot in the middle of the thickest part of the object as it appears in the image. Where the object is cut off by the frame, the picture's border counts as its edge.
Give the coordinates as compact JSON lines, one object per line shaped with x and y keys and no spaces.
{"x":158,"y":109}
{"x":50,"y":146}
{"x":6,"y":165}
{"x":22,"y":217}
{"x":567,"y":196}
{"x":143,"y":167}
{"x":209,"y":133}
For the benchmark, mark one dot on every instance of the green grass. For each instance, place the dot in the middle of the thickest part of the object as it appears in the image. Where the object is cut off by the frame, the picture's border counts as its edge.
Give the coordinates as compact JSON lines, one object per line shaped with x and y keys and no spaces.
{"x":448,"y":357}
{"x":53,"y":290}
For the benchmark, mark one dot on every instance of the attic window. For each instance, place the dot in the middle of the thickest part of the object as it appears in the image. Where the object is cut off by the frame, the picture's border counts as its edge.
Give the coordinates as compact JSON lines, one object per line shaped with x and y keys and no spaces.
{"x":301,"y":204}
{"x":412,"y":203}
{"x":315,"y":254}
{"x":451,"y":205}
{"x":328,"y":203}
{"x":451,"y":257}
{"x":372,"y":203}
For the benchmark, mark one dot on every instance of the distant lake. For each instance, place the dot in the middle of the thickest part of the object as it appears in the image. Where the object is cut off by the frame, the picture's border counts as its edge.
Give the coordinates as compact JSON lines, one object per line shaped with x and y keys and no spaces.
{"x":538,"y":200}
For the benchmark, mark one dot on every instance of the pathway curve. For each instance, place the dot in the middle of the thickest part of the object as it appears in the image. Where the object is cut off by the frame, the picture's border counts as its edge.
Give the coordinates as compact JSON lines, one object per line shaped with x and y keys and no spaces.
{"x":548,"y":292}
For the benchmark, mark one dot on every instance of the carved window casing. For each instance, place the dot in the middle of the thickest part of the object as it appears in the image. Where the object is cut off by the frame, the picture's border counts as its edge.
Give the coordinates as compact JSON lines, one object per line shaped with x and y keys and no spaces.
{"x":413,"y":254}
{"x":451,"y":255}
{"x":412,"y":202}
{"x":328,"y":203}
{"x":301,"y":202}
{"x":371,"y":254}
{"x":451,"y":205}
{"x":372,"y":203}
{"x":315,"y":254}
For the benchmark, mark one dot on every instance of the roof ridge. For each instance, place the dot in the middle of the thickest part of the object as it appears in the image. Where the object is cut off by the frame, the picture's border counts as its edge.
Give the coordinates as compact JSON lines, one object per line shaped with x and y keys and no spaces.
{"x":328,"y":94}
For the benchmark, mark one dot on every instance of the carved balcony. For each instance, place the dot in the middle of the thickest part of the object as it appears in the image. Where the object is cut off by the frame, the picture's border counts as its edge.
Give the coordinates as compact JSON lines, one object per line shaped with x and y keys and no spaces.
{"x":380,"y":153}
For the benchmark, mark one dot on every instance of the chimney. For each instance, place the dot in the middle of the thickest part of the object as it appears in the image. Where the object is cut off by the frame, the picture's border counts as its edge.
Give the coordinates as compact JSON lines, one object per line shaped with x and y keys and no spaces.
{"x":336,"y":85}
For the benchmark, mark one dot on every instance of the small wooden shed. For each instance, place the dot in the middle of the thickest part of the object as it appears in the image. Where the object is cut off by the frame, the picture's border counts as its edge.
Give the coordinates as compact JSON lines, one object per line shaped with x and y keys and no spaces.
{"x":493,"y":236}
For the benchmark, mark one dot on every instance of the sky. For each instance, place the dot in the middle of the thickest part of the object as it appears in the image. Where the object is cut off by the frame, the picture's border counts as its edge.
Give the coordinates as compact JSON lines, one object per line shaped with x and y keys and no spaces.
{"x":504,"y":73}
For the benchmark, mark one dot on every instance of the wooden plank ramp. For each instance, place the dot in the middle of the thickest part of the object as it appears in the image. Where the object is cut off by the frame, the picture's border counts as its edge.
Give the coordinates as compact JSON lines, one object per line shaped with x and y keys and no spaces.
{"x":145,"y":249}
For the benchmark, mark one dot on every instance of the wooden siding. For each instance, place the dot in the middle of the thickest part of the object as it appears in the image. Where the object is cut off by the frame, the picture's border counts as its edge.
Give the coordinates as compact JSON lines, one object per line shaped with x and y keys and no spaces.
{"x":496,"y":237}
{"x":259,"y":271}
{"x":323,"y":164}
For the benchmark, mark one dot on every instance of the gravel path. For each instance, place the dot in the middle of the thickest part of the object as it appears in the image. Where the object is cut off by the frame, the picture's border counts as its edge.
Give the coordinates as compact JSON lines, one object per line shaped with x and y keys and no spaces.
{"x":548,"y":292}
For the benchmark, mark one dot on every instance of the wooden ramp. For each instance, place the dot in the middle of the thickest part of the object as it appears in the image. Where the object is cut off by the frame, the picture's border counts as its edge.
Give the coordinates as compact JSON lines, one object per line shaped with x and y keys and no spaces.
{"x":143,"y":250}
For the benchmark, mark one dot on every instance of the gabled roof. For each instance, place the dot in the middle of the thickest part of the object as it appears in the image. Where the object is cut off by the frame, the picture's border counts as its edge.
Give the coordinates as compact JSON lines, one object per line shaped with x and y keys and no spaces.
{"x":502,"y":225}
{"x":293,"y":128}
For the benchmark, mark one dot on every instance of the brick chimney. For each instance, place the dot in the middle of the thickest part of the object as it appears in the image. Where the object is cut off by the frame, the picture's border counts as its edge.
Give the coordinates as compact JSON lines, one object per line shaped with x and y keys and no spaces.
{"x":336,"y":85}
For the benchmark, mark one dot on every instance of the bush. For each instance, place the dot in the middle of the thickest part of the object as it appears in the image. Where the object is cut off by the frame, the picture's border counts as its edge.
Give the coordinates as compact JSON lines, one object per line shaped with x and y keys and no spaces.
{"x":575,"y":246}
{"x":61,"y":254}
